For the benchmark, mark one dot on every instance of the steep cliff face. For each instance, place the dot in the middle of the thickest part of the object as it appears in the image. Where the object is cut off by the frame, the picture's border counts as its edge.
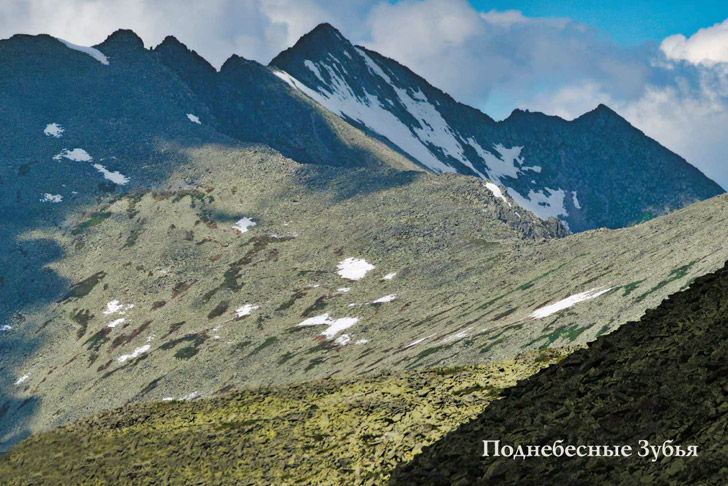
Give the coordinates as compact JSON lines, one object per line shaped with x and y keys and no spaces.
{"x":596,"y":171}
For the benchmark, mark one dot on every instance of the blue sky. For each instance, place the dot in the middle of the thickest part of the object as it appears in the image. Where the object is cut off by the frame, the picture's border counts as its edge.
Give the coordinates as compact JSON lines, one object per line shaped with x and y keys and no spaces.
{"x":624,"y":21}
{"x":663,"y":65}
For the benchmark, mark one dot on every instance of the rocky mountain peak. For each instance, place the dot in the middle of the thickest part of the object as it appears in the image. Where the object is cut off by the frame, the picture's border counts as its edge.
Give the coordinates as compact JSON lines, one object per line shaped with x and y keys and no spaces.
{"x":548,"y":165}
{"x":175,"y":52}
{"x":125,"y":39}
{"x":326,"y":33}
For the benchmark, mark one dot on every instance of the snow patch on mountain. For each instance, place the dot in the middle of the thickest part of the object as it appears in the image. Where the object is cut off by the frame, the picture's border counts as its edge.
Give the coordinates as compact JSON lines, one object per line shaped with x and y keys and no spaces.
{"x":576,"y":201}
{"x":245,"y":310}
{"x":353,"y":268}
{"x":80,"y":155}
{"x":53,"y":130}
{"x":115,"y":307}
{"x":243,"y":224}
{"x":116,"y":177}
{"x":115,"y":323}
{"x":418,"y":341}
{"x":456,"y":337}
{"x":312,"y":67}
{"x":343,"y":340}
{"x":497,"y":192}
{"x":135,"y":354}
{"x":91,"y":51}
{"x":370,"y":112}
{"x":568,"y":302}
{"x":373,"y":66}
{"x":77,"y":155}
{"x":51,"y":198}
{"x":548,"y":203}
{"x":335,"y":325}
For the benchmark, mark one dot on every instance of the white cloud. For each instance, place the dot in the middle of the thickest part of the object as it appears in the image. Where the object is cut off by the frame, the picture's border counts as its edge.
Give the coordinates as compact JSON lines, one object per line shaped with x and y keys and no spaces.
{"x":706,"y":46}
{"x":255,"y":29}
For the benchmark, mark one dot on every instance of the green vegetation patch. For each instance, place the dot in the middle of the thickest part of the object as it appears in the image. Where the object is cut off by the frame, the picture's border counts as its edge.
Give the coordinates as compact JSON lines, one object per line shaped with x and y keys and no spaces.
{"x":98,"y":339}
{"x":231,"y":276}
{"x":268,"y":342}
{"x":569,"y":333}
{"x":83,"y":288}
{"x":219,"y":309}
{"x":298,"y":294}
{"x":195,"y":341}
{"x":81,"y":317}
{"x":351,"y":431}
{"x":631,"y":287}
{"x":675,"y":274}
{"x":317,"y":306}
{"x":94,"y":219}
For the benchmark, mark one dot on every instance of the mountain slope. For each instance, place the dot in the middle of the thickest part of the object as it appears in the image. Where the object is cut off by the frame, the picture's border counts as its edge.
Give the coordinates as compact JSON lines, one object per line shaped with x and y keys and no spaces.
{"x":597,"y":171}
{"x":77,"y":124}
{"x":150,"y":250}
{"x":247,"y":102}
{"x":351,"y":431}
{"x":659,"y":379}
{"x":171,"y":292}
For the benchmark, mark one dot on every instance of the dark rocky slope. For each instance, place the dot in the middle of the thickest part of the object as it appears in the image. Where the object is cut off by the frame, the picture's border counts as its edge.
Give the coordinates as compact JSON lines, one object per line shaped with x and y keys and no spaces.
{"x":662,"y":378}
{"x":595,"y":171}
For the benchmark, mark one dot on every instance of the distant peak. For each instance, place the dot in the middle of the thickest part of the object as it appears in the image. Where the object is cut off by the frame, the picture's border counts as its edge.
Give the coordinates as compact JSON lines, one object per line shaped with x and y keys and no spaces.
{"x":518,"y":112}
{"x":174,"y":52}
{"x":237,"y":65}
{"x":232,"y":61}
{"x":323,"y":39}
{"x":171,"y":41}
{"x":326,"y":29}
{"x":525,"y":114}
{"x":324,"y":35}
{"x":605,"y":109}
{"x":603,"y":112}
{"x":123,"y":38}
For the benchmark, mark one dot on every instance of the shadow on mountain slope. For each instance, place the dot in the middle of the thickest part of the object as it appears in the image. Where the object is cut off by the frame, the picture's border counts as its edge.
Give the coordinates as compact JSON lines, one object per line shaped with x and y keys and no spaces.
{"x":25,"y":285}
{"x":659,"y":379}
{"x":130,"y":118}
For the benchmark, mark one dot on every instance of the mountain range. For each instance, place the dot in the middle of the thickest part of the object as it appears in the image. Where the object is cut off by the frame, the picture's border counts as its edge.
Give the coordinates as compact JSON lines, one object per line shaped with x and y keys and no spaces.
{"x":595,"y":171}
{"x":172,"y":231}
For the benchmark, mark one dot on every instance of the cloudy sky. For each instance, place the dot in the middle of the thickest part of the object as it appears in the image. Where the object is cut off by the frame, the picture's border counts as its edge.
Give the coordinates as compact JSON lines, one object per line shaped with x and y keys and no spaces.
{"x":663,"y":64}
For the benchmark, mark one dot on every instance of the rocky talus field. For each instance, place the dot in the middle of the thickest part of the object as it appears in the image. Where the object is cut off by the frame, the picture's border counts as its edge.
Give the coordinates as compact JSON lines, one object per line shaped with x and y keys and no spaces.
{"x":660,"y":379}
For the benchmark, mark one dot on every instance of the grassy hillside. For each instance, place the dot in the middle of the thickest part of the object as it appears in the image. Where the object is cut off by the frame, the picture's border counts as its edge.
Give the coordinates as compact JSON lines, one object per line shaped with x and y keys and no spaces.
{"x":660,"y":379}
{"x":329,"y":432}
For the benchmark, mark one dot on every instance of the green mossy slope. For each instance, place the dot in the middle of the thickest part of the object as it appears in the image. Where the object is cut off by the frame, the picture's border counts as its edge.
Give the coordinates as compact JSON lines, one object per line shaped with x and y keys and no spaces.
{"x":332,"y":432}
